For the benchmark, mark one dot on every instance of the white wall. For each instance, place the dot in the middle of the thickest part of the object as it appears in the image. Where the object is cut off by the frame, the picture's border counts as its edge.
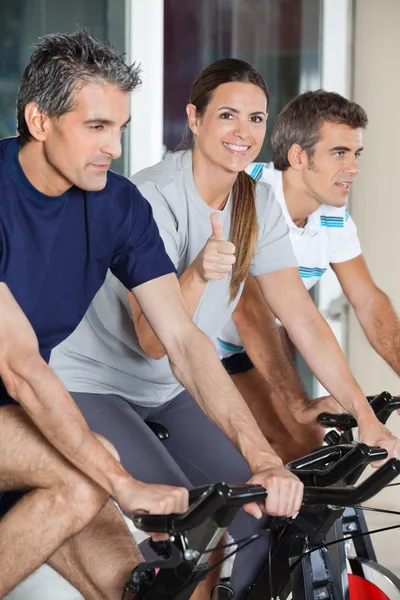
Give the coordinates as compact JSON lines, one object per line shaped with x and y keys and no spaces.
{"x":336,"y":64}
{"x":146,"y":35}
{"x":376,"y":209}
{"x":376,"y":196}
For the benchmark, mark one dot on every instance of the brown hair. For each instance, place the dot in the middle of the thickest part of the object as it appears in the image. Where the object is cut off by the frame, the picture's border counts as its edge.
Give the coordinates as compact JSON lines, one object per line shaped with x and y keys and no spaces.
{"x":244,"y":225}
{"x":300,"y":122}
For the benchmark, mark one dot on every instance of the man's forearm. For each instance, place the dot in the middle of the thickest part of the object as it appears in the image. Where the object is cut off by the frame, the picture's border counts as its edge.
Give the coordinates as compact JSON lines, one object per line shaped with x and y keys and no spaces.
{"x":219,"y":398}
{"x":30,"y":381}
{"x":320,"y":349}
{"x":43,"y":396}
{"x":382,"y":328}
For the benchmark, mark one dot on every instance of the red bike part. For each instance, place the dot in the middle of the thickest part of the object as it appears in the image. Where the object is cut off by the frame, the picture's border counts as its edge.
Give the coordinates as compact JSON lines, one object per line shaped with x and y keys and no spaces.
{"x":361,"y":589}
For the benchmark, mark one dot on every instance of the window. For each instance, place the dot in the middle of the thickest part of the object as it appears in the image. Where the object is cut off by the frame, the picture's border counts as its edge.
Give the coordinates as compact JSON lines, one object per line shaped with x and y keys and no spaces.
{"x":23,"y":21}
{"x":280,"y":37}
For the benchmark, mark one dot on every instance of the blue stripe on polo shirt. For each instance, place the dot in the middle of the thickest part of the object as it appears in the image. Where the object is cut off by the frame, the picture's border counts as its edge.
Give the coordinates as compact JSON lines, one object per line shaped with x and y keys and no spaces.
{"x":331,"y":221}
{"x":230,"y":347}
{"x":257,"y":172}
{"x":308,"y":272}
{"x":346,"y":215}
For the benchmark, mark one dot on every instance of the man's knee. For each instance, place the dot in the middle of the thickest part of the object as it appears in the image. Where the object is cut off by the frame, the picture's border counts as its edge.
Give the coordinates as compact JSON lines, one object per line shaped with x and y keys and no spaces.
{"x":37,"y":465}
{"x":85,"y":495}
{"x":81,"y":499}
{"x":80,"y":495}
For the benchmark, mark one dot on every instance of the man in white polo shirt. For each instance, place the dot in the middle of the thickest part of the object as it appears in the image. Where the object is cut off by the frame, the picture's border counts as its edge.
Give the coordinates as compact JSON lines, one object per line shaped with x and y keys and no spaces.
{"x":316,"y":143}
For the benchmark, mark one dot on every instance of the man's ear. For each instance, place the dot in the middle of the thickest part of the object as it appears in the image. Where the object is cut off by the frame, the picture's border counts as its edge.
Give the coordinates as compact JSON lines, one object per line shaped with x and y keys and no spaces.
{"x":193,"y":118}
{"x":297,"y":157}
{"x":38,"y":122}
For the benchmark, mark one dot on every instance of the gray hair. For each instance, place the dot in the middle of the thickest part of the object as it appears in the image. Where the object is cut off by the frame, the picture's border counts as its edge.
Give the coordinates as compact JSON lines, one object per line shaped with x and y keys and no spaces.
{"x":59,"y":64}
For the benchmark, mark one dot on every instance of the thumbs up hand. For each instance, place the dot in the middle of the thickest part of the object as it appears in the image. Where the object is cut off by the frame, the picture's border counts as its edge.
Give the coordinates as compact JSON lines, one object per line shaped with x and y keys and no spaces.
{"x":216,"y":226}
{"x":216,"y":259}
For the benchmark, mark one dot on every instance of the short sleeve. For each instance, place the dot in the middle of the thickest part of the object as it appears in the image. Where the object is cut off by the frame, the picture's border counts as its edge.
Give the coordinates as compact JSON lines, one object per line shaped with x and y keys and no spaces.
{"x":263,"y":172}
{"x":166,"y":221}
{"x":2,"y":275}
{"x":345,"y":243}
{"x":140,"y":254}
{"x":274,"y":250}
{"x":255,"y":170}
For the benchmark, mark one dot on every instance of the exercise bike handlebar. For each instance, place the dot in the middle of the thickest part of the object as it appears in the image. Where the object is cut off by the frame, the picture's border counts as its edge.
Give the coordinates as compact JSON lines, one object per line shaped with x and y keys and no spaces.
{"x":353,"y":496}
{"x":219,"y":495}
{"x":383,"y":406}
{"x":342,"y":460}
{"x":203,"y":503}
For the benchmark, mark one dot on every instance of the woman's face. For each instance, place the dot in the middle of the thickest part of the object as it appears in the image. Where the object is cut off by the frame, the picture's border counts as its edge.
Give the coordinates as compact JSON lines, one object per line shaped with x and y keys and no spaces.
{"x":231,"y":131}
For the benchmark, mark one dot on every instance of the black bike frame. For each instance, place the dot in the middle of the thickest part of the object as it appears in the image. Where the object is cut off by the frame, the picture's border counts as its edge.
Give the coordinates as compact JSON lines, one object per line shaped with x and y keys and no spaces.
{"x":312,"y":576}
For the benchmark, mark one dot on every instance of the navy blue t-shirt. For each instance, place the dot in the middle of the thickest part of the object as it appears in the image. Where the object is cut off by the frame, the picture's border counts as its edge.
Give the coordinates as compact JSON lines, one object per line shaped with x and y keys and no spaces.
{"x":55,"y":250}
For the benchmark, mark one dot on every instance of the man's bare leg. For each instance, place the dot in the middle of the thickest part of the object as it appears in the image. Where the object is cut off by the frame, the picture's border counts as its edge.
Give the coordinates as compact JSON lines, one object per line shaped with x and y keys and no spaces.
{"x":104,"y":552}
{"x":98,"y":560}
{"x":61,"y":504}
{"x":203,"y":590}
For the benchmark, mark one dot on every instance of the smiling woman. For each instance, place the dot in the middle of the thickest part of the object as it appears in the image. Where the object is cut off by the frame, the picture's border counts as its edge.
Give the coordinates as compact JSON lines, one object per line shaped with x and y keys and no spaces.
{"x":217,"y":225}
{"x":227,"y":116}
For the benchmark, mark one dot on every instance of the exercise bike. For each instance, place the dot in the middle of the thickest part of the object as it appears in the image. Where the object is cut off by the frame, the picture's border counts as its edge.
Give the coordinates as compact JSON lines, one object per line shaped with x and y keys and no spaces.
{"x":299,"y":565}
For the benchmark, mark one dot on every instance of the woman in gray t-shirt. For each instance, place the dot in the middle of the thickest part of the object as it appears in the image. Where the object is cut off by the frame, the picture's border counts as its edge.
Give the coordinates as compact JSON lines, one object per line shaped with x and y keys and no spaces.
{"x":200,"y":199}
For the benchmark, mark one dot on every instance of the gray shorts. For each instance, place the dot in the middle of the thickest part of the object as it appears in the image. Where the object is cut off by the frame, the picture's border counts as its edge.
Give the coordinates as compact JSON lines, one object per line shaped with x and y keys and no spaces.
{"x":196,"y":453}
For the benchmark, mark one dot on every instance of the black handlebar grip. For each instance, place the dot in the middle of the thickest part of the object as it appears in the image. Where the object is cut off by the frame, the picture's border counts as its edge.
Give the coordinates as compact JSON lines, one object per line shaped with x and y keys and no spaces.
{"x":154,"y":523}
{"x":376,"y":454}
{"x":341,"y":421}
{"x":383,"y":406}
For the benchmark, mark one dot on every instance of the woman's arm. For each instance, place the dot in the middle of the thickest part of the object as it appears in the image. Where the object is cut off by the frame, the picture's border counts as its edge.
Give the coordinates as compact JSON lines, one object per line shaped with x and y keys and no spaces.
{"x":213,"y":262}
{"x":192,"y":289}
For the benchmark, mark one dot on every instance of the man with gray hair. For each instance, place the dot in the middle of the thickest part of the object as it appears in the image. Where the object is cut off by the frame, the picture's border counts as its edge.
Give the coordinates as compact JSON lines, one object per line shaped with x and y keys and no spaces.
{"x":64,"y":221}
